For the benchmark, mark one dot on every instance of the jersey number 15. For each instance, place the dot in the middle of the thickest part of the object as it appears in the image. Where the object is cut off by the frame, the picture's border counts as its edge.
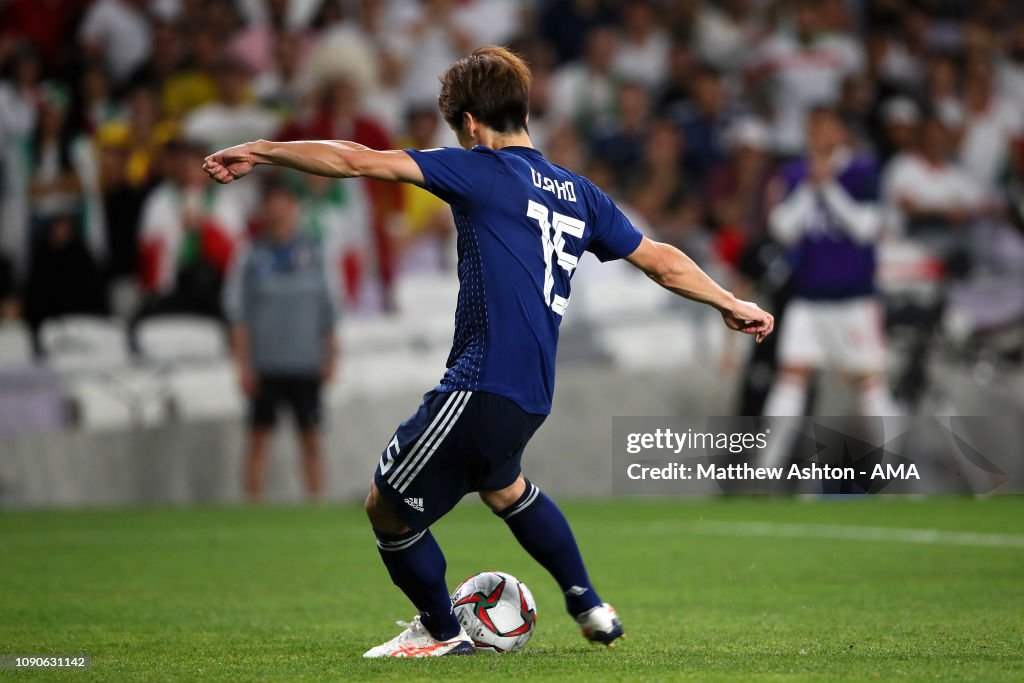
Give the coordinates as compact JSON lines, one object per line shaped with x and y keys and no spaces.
{"x":554,"y":227}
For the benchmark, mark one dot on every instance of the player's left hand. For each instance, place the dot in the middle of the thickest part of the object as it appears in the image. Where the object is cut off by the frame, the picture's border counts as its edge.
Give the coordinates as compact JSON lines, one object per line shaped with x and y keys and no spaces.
{"x":748,"y":318}
{"x":229,"y":164}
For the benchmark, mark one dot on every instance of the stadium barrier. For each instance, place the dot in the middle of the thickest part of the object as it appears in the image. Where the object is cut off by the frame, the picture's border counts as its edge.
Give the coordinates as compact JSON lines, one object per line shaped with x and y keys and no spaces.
{"x":200,"y":460}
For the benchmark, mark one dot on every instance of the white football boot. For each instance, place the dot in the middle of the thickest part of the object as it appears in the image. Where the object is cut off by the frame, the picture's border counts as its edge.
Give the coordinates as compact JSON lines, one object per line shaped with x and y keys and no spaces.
{"x":601,"y":625}
{"x":416,"y":641}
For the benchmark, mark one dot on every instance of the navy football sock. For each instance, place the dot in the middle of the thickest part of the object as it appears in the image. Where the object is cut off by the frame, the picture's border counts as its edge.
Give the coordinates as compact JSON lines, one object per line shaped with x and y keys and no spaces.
{"x":417,"y":566}
{"x":541,"y":528}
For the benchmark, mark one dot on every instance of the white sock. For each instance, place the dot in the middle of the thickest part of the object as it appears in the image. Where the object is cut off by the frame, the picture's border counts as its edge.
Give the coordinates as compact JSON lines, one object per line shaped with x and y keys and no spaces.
{"x":786,"y":399}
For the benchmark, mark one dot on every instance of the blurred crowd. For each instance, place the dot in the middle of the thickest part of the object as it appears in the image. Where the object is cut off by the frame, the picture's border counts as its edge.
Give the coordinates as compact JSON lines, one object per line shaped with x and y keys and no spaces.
{"x":683,"y":110}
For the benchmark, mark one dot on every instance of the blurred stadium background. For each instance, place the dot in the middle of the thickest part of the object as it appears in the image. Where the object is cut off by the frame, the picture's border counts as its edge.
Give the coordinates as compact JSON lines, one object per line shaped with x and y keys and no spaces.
{"x":682,"y":110}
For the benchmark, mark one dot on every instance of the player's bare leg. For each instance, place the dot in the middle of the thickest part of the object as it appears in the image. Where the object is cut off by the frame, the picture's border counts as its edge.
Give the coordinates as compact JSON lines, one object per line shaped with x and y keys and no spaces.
{"x":417,"y":566}
{"x":310,"y":444}
{"x":542,"y":530}
{"x":501,"y":499}
{"x":256,"y":463}
{"x":381,"y":515}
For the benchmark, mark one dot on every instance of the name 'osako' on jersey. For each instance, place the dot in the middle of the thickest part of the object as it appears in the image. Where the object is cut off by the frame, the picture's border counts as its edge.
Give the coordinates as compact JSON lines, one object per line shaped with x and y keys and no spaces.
{"x":523,"y":223}
{"x":563,"y":190}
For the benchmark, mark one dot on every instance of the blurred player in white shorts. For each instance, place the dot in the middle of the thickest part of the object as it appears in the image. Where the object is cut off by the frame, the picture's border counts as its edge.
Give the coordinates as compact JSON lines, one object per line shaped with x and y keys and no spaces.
{"x":828,"y":219}
{"x":846,"y":335}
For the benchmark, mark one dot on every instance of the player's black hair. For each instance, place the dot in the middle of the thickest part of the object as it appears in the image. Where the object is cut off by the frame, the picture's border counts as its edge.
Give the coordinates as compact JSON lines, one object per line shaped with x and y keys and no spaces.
{"x":492,"y":84}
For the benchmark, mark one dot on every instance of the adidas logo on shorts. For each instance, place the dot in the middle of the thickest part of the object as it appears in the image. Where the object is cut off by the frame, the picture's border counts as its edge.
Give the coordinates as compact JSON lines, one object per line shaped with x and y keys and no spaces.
{"x":415,"y":503}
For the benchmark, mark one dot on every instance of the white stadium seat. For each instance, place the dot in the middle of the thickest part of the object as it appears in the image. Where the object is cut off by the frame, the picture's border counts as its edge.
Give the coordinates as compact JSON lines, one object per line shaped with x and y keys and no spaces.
{"x":370,"y":334}
{"x":83,"y":342}
{"x":426,"y":305}
{"x":121,"y":399}
{"x":428,"y":329}
{"x":388,"y":372}
{"x":181,"y":337}
{"x":205,"y":392}
{"x":652,"y":345}
{"x":416,"y":292}
{"x":629,"y":297}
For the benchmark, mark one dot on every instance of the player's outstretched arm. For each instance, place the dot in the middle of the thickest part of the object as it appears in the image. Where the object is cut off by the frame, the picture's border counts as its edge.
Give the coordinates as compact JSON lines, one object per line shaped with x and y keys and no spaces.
{"x":331,"y":158}
{"x":676,"y":272}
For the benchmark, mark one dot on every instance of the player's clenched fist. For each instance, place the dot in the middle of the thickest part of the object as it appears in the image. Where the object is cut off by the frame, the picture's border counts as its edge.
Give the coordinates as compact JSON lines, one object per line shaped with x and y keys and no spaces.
{"x":748,"y":317}
{"x":229,"y":164}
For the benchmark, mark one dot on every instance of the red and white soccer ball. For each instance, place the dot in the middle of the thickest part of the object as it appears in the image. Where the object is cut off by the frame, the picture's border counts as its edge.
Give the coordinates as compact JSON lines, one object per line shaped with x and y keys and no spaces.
{"x":497,"y":611}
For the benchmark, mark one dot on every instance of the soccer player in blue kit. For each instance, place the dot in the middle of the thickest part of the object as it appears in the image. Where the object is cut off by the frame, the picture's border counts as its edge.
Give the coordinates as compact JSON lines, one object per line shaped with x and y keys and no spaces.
{"x":523,"y":224}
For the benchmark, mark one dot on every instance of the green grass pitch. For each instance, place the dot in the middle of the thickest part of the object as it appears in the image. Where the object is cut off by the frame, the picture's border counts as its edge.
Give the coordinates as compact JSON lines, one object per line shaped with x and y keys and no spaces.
{"x":708,"y":590}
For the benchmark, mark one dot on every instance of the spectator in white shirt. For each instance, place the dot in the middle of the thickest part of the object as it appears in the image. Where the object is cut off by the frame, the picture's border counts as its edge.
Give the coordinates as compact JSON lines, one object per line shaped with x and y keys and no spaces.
{"x":426,"y":38}
{"x":801,"y":71}
{"x":120,"y":32}
{"x":584,"y":91}
{"x":724,"y":31}
{"x":187,"y":233}
{"x":925,"y":191}
{"x":280,"y":87}
{"x":642,"y":56}
{"x":232,"y":118}
{"x":991,"y":124}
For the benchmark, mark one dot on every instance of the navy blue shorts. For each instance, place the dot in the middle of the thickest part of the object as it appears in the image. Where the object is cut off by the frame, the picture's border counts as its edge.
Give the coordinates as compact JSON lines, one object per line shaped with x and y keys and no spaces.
{"x":456,"y":443}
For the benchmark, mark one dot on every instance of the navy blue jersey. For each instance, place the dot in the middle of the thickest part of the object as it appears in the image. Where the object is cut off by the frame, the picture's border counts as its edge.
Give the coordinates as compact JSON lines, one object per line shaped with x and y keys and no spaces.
{"x":523,"y":224}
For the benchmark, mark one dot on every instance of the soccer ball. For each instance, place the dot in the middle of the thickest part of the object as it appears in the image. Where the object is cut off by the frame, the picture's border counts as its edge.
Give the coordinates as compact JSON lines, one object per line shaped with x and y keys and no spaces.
{"x":497,"y":611}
